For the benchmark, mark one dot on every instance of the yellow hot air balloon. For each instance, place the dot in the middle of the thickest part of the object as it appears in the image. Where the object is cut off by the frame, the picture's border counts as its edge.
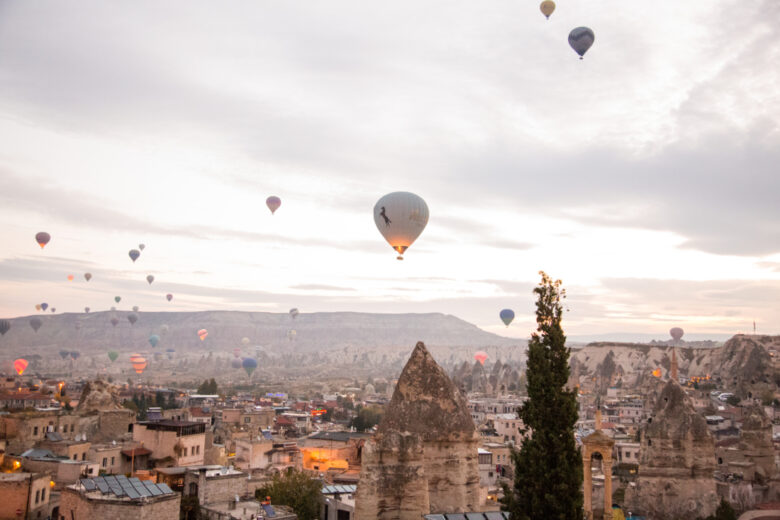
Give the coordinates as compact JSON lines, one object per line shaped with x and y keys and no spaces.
{"x":547,"y":8}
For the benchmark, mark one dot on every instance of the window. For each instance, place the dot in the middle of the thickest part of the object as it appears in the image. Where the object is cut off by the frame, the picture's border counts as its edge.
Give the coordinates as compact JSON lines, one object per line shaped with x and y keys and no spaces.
{"x":35,"y":430}
{"x":43,"y":494}
{"x":247,"y":420}
{"x":105,"y":460}
{"x":112,"y":461}
{"x":184,"y":451}
{"x":84,"y":456}
{"x":72,"y":426}
{"x":37,"y":496}
{"x":75,"y":456}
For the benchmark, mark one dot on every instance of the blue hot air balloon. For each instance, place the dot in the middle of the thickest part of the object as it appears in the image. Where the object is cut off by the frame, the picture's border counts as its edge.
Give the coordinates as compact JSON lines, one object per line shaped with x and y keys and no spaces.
{"x":581,"y":39}
{"x":249,"y":364}
{"x":154,"y":339}
{"x":507,"y":315}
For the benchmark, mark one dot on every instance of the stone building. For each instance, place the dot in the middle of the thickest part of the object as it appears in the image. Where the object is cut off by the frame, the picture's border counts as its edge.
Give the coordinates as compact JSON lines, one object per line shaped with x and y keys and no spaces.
{"x":676,"y":460}
{"x":180,"y":442}
{"x":118,"y":498}
{"x":24,"y":495}
{"x":423,"y":458}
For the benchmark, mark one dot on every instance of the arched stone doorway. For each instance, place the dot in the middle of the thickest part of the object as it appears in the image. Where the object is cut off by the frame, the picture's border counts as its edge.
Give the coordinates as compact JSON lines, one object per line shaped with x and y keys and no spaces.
{"x":597,"y":446}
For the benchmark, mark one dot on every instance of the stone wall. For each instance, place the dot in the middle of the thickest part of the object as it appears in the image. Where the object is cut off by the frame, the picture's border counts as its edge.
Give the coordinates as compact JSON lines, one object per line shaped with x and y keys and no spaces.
{"x":74,"y":503}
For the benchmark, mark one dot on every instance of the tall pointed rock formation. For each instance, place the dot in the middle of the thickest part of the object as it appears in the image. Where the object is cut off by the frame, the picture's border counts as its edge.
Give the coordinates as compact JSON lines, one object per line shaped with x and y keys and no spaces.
{"x":423,"y":458}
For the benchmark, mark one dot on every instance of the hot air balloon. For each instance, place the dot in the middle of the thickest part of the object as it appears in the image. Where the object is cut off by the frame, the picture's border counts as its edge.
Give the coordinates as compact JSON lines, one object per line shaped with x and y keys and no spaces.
{"x":86,"y":309}
{"x":19,"y":365}
{"x":169,"y":297}
{"x":170,"y":352}
{"x":235,"y":363}
{"x":507,"y":315}
{"x":657,"y":372}
{"x":154,"y":339}
{"x":114,"y":321}
{"x":236,"y":352}
{"x":42,"y":238}
{"x":44,"y":306}
{"x":481,"y":356}
{"x":36,"y":323}
{"x":547,"y":7}
{"x":150,"y":279}
{"x":676,"y":333}
{"x":139,"y":363}
{"x":70,"y":277}
{"x":88,"y":276}
{"x":132,"y":318}
{"x":245,"y":341}
{"x":113,"y":355}
{"x":53,"y":309}
{"x":249,"y":365}
{"x":135,"y":308}
{"x":37,"y":306}
{"x":400,"y":217}
{"x":75,"y":355}
{"x":64,"y":354}
{"x":117,"y":299}
{"x":294,"y":312}
{"x":141,"y":246}
{"x":134,"y":254}
{"x":291,"y":334}
{"x":202,"y":333}
{"x":4,"y":326}
{"x":581,"y":39}
{"x":273,"y":203}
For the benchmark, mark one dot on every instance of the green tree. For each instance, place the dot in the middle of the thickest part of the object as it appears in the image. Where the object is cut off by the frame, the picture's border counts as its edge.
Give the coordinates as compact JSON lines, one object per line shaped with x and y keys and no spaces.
{"x":723,"y":512}
{"x":733,"y":400}
{"x":297,"y":490}
{"x":548,"y":466}
{"x":367,"y":418}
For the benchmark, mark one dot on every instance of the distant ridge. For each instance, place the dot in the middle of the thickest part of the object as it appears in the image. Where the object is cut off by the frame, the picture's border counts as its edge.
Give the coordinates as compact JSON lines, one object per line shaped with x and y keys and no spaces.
{"x":316,"y":331}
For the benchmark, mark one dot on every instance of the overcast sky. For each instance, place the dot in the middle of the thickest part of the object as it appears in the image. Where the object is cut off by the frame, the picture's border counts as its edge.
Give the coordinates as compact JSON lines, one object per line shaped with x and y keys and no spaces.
{"x":645,"y":176}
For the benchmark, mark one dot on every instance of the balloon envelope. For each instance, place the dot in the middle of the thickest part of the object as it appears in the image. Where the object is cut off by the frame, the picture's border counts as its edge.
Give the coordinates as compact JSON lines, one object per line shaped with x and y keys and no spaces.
{"x":547,"y":7}
{"x":36,"y":323}
{"x":481,"y":356}
{"x":273,"y":203}
{"x":294,"y":312}
{"x":114,"y":321}
{"x":150,"y":279}
{"x":400,"y":217}
{"x":5,"y":325}
{"x":141,"y":246}
{"x":154,"y":339}
{"x":135,"y":308}
{"x":44,"y":306}
{"x":132,"y":318}
{"x":42,"y":238}
{"x":134,"y":254}
{"x":53,"y":309}
{"x":169,"y":297}
{"x":88,"y":276}
{"x":70,"y":277}
{"x":86,"y":309}
{"x":245,"y":341}
{"x":64,"y":354}
{"x":19,"y":365}
{"x":117,"y":299}
{"x":581,"y":39}
{"x":676,"y":333}
{"x":507,"y":315}
{"x":37,"y":306}
{"x":139,"y":364}
{"x":202,"y":333}
{"x":112,"y":355}
{"x":249,"y":365}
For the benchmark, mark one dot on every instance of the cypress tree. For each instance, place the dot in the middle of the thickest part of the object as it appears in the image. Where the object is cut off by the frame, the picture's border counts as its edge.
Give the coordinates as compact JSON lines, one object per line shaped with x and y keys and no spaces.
{"x":548,"y":466}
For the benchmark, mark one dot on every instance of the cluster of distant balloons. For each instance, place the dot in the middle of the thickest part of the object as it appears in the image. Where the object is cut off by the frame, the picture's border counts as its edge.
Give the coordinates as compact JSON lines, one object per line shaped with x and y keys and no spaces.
{"x":580,"y":38}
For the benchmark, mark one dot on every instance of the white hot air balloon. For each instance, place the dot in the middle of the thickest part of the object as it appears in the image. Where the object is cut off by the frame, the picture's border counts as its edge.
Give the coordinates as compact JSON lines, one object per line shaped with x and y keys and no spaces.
{"x":400,"y":217}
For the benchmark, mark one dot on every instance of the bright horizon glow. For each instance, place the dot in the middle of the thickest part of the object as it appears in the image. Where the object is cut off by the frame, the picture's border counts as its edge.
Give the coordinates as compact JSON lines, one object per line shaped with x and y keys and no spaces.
{"x":643,"y":176}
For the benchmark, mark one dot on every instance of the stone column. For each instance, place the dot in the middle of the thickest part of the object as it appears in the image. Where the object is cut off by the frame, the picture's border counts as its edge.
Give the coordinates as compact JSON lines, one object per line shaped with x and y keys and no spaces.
{"x":606,"y":466}
{"x":587,"y":486}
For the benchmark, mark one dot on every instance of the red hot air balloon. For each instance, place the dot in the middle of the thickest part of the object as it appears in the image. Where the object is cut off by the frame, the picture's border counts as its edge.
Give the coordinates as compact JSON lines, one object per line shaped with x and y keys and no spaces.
{"x":202,"y":333}
{"x":273,"y":203}
{"x":138,"y":362}
{"x":42,"y":238}
{"x":20,"y":365}
{"x":481,"y":356}
{"x":70,"y":277}
{"x":169,"y":297}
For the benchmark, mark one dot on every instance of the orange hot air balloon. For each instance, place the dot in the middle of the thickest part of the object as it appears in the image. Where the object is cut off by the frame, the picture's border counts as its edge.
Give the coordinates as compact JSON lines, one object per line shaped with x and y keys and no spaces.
{"x":202,"y":333}
{"x":139,"y":364}
{"x":70,"y":277}
{"x":657,"y":372}
{"x":481,"y":356}
{"x":19,"y":365}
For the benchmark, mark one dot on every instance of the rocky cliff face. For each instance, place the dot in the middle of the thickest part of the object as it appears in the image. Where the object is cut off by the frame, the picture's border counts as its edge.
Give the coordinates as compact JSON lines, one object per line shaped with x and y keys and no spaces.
{"x":677,"y":460}
{"x":742,"y":365}
{"x":501,"y":379}
{"x":98,"y":395}
{"x":423,"y":458}
{"x":755,"y":442}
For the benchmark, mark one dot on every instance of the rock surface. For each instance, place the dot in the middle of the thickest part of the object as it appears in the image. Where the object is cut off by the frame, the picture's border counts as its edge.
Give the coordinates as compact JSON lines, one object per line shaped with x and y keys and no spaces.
{"x":676,"y":461}
{"x":98,"y":395}
{"x":423,"y":458}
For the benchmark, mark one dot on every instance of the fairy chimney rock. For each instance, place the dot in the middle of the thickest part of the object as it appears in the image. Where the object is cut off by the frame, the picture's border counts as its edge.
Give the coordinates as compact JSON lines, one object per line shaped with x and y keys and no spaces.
{"x":423,"y":458}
